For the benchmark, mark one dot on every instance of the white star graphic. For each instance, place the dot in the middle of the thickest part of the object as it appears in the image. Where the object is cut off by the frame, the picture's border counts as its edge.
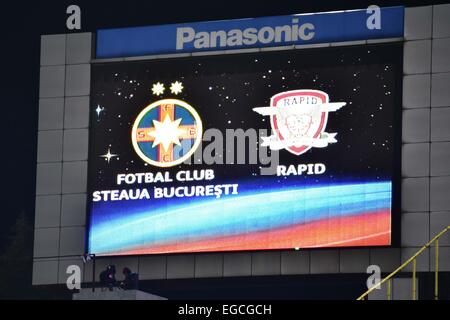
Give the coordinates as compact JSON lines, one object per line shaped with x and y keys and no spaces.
{"x":99,"y":110}
{"x":158,"y":89}
{"x":108,"y":155}
{"x":166,"y":132}
{"x":176,"y":87}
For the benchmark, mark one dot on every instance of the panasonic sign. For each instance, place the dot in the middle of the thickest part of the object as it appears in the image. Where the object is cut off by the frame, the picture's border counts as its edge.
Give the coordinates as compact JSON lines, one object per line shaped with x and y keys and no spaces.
{"x":296,"y":29}
{"x":246,"y":37}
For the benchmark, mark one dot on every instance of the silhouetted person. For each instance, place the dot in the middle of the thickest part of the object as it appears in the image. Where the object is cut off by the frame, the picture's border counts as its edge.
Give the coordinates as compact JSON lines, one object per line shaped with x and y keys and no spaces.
{"x":108,"y":277}
{"x":130,"y":281}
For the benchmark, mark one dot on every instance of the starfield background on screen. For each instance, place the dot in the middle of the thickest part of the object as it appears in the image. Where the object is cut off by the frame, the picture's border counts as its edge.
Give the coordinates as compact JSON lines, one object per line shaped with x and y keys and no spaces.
{"x":327,"y":116}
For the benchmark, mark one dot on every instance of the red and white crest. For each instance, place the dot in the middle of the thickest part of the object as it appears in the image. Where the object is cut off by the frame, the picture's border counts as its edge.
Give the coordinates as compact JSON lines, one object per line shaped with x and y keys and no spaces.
{"x":298,"y":119}
{"x":287,"y":125}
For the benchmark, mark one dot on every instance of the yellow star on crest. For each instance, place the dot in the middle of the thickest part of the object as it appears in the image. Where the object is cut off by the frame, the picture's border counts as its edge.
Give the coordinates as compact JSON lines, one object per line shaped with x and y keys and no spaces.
{"x":167,"y":132}
{"x":176,"y":87}
{"x":158,"y":89}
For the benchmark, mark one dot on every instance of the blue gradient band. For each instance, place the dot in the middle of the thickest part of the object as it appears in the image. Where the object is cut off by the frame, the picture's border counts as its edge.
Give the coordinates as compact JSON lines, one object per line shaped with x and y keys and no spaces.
{"x":243,"y":214}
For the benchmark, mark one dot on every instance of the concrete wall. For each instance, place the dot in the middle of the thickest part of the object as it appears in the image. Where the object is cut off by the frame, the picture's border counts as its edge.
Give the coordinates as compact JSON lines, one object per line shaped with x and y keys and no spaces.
{"x":62,"y":169}
{"x":62,"y":155}
{"x":426,"y":133}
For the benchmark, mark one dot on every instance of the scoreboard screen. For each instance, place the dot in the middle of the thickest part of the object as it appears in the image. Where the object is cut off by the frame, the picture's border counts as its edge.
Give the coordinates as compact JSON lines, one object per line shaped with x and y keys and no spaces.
{"x":252,"y":151}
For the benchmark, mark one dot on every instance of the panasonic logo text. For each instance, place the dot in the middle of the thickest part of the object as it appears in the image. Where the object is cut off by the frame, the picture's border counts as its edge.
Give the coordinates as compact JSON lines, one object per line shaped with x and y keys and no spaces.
{"x":247,"y":37}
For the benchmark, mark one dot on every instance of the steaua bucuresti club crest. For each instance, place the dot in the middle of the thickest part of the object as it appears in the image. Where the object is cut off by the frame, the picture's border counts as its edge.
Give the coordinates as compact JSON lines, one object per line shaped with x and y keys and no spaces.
{"x":167,"y":132}
{"x":298,"y":119}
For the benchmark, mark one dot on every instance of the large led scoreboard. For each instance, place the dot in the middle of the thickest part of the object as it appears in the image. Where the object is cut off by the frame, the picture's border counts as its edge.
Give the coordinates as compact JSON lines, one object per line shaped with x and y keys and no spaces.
{"x":247,"y":150}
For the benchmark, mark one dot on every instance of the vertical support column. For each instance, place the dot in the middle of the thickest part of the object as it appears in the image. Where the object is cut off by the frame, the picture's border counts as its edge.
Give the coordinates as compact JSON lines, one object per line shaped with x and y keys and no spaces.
{"x":49,"y":160}
{"x":440,"y":137}
{"x":436,"y":271}
{"x":414,"y":280}
{"x":416,"y":127}
{"x":389,"y":289}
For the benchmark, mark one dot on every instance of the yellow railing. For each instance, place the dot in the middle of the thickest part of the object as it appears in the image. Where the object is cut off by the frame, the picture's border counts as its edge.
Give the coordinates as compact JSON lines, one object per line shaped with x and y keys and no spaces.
{"x":388,"y":279}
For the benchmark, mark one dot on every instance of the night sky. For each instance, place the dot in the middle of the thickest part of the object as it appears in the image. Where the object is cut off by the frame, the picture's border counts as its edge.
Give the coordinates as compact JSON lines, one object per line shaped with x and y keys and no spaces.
{"x":225,"y":89}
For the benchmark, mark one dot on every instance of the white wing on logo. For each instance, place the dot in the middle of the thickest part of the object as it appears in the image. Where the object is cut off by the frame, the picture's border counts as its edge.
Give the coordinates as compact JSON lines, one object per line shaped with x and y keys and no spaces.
{"x":292,"y":109}
{"x":276,"y":144}
{"x":332,"y":106}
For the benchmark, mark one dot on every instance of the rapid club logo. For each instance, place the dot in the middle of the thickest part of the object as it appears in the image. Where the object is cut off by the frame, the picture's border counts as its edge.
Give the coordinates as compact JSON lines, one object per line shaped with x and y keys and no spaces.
{"x":167,"y":132}
{"x":299,"y":118}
